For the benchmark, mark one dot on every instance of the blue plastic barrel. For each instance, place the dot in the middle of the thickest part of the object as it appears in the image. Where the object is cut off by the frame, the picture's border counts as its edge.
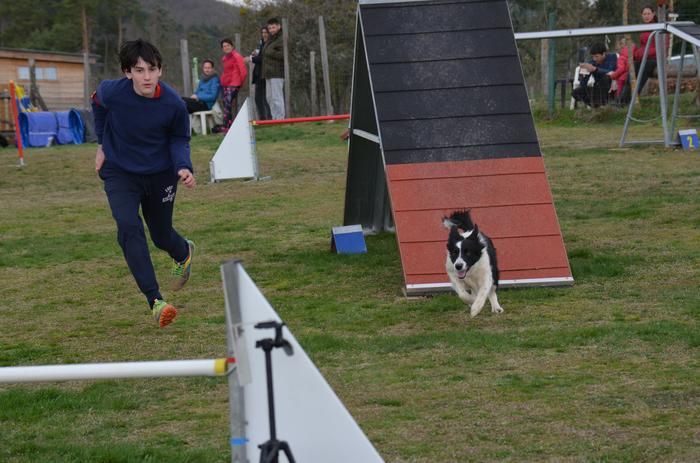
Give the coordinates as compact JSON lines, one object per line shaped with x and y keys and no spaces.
{"x":70,"y":127}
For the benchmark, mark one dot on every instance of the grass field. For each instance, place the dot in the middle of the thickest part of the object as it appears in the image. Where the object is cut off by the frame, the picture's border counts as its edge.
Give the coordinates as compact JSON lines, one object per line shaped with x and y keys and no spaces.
{"x":607,"y":370}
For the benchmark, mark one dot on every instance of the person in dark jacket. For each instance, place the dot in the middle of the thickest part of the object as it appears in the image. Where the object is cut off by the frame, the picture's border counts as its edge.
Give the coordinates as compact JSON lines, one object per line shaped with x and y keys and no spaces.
{"x":273,"y":69}
{"x":600,"y":65}
{"x":256,"y":57}
{"x":207,"y":90}
{"x":143,"y":150}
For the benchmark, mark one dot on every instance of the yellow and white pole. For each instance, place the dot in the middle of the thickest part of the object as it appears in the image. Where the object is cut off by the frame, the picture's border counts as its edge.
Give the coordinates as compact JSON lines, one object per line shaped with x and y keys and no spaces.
{"x":116,"y":370}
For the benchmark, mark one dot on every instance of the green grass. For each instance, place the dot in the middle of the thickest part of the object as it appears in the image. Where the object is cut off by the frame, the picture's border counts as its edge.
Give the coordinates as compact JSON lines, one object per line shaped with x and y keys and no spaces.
{"x":606,"y":370}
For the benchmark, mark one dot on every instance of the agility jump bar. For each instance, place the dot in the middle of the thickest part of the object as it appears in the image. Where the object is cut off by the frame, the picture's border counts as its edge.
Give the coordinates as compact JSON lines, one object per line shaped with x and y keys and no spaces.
{"x":116,"y":370}
{"x":296,"y":120}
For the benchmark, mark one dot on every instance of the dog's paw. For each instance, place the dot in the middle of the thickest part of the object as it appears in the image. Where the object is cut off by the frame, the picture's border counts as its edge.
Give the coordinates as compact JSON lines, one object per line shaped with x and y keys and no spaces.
{"x":497,"y":309}
{"x":475,"y":311}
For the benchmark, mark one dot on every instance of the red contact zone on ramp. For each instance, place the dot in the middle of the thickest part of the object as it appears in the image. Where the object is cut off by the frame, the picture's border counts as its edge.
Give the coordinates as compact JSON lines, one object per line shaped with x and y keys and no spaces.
{"x":510,"y":201}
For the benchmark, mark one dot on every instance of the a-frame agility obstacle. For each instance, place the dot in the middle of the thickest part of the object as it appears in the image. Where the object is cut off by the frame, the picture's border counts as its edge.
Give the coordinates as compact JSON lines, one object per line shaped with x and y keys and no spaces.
{"x":440,"y":120}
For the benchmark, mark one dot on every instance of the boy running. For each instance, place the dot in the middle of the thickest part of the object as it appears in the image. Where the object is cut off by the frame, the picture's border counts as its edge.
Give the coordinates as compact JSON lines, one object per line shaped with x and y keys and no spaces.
{"x":143,"y":134}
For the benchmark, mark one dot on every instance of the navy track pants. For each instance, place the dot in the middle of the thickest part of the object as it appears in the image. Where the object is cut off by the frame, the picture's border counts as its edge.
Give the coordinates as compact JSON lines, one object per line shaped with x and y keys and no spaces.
{"x":154,"y":194}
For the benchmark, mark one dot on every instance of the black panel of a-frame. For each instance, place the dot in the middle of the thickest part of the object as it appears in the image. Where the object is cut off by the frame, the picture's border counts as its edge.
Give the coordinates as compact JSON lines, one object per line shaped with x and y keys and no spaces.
{"x":366,"y":195}
{"x":423,"y":55}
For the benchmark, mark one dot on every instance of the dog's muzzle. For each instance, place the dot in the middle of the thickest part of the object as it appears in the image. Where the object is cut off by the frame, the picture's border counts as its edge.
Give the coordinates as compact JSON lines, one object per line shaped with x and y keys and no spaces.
{"x":461,"y":269}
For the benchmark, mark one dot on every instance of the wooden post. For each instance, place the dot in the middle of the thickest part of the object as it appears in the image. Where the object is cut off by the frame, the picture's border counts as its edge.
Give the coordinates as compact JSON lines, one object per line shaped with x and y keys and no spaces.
{"x":285,"y":43}
{"x":34,"y":95}
{"x":551,"y":63}
{"x":314,"y":94}
{"x":324,"y":64}
{"x":32,"y":81}
{"x":86,"y":58}
{"x":86,"y":80}
{"x":237,"y":41}
{"x":544,"y":47}
{"x":185,"y":59}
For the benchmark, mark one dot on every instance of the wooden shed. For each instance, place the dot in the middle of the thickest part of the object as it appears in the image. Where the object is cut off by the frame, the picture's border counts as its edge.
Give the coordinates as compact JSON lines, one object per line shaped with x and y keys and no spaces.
{"x":60,"y":76}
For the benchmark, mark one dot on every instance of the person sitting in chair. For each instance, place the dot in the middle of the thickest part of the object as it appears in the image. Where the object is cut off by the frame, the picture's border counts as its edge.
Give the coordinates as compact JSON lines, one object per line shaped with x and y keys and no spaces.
{"x":207,"y":90}
{"x":598,"y":67}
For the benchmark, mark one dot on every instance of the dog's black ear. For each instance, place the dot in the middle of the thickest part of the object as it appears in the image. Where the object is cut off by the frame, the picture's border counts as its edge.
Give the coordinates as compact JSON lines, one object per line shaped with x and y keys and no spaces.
{"x":454,"y":234}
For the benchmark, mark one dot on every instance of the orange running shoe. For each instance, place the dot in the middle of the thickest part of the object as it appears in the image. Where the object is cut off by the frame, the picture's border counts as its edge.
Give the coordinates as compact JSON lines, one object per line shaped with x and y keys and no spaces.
{"x":163,"y":313}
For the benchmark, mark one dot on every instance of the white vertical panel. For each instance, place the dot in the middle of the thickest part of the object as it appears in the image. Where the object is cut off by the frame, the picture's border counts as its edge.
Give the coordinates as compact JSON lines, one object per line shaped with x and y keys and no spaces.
{"x":235,"y":157}
{"x":309,"y":415}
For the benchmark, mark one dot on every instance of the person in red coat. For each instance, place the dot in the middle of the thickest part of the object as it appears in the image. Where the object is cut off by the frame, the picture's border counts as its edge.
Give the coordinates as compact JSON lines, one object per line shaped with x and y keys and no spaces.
{"x":648,"y":17}
{"x":232,"y":78}
{"x":621,"y":72}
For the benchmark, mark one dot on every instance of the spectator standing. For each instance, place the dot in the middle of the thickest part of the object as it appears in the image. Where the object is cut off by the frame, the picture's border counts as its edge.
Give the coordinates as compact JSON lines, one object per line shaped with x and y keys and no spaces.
{"x":232,"y":78}
{"x":599,"y":66}
{"x":143,"y":134}
{"x":273,"y":69}
{"x":256,"y":57}
{"x":648,"y":17}
{"x":207,"y":90}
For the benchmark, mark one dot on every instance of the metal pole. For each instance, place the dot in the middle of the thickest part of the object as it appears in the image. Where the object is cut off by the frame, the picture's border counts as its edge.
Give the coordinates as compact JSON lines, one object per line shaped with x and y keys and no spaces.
{"x":324,"y":63}
{"x":253,"y":144}
{"x":296,"y":120}
{"x":663,"y":89}
{"x":230,"y":276}
{"x":696,"y":54}
{"x":677,"y":95}
{"x":186,"y":77}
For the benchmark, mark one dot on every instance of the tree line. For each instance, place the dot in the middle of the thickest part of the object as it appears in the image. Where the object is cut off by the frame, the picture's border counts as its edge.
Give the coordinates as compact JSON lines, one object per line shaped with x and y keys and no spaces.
{"x":99,"y":26}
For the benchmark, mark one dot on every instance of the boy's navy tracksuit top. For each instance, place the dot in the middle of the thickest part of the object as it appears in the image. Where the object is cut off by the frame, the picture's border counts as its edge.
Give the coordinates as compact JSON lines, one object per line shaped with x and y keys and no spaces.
{"x":142,"y":135}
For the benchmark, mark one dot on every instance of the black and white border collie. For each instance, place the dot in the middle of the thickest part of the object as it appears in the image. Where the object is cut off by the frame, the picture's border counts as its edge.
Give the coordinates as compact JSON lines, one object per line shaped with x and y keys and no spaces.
{"x":471,"y":263}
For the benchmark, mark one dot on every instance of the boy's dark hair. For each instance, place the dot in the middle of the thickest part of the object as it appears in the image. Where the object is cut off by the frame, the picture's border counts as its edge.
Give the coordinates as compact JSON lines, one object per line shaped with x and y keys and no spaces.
{"x":208,"y":61}
{"x":131,"y":51}
{"x":273,"y":21}
{"x":226,"y":40}
{"x":598,"y":49}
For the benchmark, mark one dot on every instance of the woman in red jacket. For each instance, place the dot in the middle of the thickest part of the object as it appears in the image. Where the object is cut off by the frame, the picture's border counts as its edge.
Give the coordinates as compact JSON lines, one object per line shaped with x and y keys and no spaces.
{"x":233,"y":77}
{"x":648,"y":17}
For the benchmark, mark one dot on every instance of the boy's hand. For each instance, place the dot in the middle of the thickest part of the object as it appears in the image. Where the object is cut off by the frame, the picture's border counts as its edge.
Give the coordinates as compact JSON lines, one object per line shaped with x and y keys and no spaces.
{"x":187,"y":178}
{"x":99,"y":158}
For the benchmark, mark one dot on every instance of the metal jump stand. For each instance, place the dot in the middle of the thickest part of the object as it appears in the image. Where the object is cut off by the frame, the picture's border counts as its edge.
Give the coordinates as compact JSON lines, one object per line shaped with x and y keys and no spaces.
{"x":269,"y":451}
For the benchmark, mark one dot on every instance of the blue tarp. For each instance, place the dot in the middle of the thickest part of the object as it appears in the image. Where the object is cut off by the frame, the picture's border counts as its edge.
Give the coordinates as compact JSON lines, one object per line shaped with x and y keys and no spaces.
{"x":43,"y":128}
{"x":37,"y":128}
